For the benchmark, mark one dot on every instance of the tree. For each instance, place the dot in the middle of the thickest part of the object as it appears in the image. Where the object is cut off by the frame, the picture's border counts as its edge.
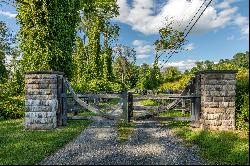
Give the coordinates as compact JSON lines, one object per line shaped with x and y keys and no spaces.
{"x":144,"y":77}
{"x":149,"y":77}
{"x":5,"y":41}
{"x":47,"y":34}
{"x":123,"y":64}
{"x":241,"y":60}
{"x":171,"y":74}
{"x":80,"y":61}
{"x":95,"y":22}
{"x":203,"y":65}
{"x":170,"y":40}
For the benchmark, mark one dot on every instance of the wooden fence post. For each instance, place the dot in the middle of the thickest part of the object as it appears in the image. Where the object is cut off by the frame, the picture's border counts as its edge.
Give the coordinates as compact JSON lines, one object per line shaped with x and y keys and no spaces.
{"x":125,"y":105}
{"x":192,"y":90}
{"x":197,"y":101}
{"x":64,"y":104}
{"x":192,"y":118}
{"x":183,"y":105}
{"x":130,"y":106}
{"x":59,"y":98}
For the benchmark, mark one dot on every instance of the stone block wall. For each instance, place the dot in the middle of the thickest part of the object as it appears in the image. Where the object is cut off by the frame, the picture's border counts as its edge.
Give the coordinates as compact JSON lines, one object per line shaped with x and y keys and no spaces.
{"x":41,"y":99}
{"x":217,"y":90}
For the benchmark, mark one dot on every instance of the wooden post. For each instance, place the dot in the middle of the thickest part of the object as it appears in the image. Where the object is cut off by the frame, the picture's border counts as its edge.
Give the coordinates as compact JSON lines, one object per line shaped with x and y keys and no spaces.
{"x":197,"y":109}
{"x":64,"y":104}
{"x":125,"y":105}
{"x":197,"y":102}
{"x":75,"y":108}
{"x":130,"y":106}
{"x":192,"y":118}
{"x":59,"y":98}
{"x":183,"y":106}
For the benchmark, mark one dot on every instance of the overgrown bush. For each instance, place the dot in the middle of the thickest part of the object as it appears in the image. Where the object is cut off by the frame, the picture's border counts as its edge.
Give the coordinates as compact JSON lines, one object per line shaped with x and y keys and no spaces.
{"x":178,"y":84}
{"x":242,"y":99}
{"x":11,"y":103}
{"x":97,"y":85}
{"x":12,"y":97}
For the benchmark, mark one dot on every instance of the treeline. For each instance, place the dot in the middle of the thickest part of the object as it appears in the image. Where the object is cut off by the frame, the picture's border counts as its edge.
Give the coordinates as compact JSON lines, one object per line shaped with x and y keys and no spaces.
{"x":240,"y":62}
{"x":78,"y":38}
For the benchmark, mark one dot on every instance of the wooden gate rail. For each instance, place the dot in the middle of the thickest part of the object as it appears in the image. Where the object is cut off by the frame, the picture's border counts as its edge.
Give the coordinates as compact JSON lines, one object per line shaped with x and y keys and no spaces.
{"x":84,"y":104}
{"x":156,"y":97}
{"x":96,"y":96}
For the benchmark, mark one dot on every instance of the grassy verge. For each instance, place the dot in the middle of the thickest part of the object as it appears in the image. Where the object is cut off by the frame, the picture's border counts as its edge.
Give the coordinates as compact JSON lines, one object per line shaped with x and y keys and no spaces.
{"x":82,"y":113}
{"x":124,"y":131}
{"x":110,"y":102}
{"x":219,"y":147}
{"x":20,"y":147}
{"x":149,"y":102}
{"x":173,"y":113}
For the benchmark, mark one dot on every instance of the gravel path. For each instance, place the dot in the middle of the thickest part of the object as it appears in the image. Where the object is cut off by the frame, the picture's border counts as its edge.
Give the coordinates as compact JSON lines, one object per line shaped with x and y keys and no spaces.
{"x":149,"y":144}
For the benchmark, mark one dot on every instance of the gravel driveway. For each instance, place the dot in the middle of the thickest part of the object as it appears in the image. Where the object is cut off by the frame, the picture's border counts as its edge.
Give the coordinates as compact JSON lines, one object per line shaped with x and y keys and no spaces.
{"x":149,"y":144}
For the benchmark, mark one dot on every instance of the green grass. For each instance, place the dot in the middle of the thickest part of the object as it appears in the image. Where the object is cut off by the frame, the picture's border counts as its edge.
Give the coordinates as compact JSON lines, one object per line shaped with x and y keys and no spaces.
{"x":124,"y":131}
{"x":82,"y":113}
{"x":173,"y":113}
{"x":219,"y":147}
{"x":23,"y":147}
{"x":149,"y":102}
{"x":110,"y":102}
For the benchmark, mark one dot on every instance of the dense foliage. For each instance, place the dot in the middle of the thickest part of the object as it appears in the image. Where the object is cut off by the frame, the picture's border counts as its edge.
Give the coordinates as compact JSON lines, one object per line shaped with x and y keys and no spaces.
{"x":49,"y":27}
{"x":4,"y":49}
{"x":92,"y":58}
{"x":11,"y":80}
{"x":240,"y":62}
{"x":79,"y":38}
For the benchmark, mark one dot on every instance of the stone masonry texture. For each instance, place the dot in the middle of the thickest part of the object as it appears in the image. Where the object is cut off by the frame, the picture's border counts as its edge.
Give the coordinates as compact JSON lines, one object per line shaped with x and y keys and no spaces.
{"x":217,"y":90}
{"x":41,"y":100}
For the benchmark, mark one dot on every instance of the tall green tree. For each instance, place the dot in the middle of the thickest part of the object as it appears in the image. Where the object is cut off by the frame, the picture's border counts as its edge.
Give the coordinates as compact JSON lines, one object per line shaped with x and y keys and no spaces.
{"x":144,"y":81}
{"x":171,"y":74}
{"x":96,"y":24}
{"x":170,"y":40}
{"x":47,"y":33}
{"x":241,"y":60}
{"x":125,"y":58}
{"x":5,"y":41}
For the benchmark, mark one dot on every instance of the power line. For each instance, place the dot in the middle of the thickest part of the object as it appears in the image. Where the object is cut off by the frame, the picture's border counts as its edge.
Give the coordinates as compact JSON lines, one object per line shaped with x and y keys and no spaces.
{"x":198,"y":18}
{"x":194,"y":15}
{"x":184,"y":29}
{"x":190,"y":28}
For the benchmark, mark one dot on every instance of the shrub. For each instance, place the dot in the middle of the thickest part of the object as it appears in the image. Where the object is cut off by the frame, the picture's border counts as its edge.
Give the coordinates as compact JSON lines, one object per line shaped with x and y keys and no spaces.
{"x":97,"y":85}
{"x":242,"y":104}
{"x":12,"y":99}
{"x":12,"y":108}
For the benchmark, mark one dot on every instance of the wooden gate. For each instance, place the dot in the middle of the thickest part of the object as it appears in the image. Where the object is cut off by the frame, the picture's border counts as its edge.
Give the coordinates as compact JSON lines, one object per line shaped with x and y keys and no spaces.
{"x":190,"y":93}
{"x":65,"y":91}
{"x":128,"y":98}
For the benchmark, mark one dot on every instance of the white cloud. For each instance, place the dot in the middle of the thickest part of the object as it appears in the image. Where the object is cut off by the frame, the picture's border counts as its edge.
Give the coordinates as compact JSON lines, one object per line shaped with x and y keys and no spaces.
{"x":142,"y":49}
{"x":225,"y":4}
{"x":243,"y":24}
{"x":141,"y":15}
{"x":142,"y":56}
{"x":189,"y":47}
{"x":137,"y":42}
{"x":232,"y":37}
{"x":181,"y":65}
{"x":8,"y":14}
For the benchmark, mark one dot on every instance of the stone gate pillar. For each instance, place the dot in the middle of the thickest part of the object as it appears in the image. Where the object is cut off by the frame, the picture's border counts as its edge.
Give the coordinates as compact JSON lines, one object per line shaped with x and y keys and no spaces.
{"x":41,"y":99}
{"x":217,"y":90}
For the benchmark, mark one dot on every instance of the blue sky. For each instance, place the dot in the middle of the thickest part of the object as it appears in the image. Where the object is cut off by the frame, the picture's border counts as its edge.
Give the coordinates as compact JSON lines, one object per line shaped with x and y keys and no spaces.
{"x":222,"y":30}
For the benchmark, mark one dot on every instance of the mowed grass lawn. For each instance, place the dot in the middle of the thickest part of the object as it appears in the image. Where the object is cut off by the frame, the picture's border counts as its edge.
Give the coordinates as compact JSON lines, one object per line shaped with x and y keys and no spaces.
{"x":218,"y":147}
{"x":24,"y":147}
